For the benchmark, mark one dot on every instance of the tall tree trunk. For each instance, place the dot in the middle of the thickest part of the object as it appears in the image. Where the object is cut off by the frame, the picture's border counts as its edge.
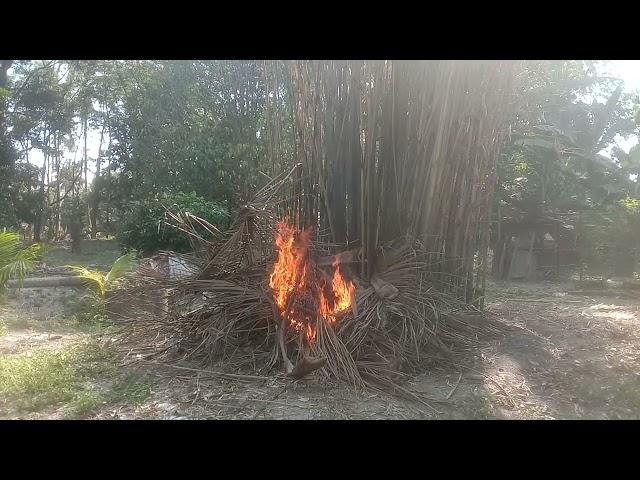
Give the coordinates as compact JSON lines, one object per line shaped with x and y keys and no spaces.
{"x":95,"y":196}
{"x":73,"y":175}
{"x":7,"y":216}
{"x":84,"y":128}
{"x":57,"y":152}
{"x":75,"y":221}
{"x":108,"y":184}
{"x":48,"y":221}
{"x":37,"y":225}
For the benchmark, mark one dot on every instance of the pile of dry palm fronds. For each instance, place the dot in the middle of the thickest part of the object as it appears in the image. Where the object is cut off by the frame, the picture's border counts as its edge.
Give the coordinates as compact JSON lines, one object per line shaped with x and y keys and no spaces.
{"x":223,"y":309}
{"x":396,"y":164}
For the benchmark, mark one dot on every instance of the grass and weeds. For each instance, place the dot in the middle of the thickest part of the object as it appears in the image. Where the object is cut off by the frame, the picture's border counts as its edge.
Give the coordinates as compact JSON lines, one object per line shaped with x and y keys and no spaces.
{"x":84,"y":403}
{"x":21,"y":321}
{"x":82,"y":314}
{"x":88,"y":311}
{"x":63,"y":376}
{"x":66,"y":377}
{"x":52,"y":376}
{"x":76,"y":379}
{"x":97,"y":257}
{"x":132,"y":388}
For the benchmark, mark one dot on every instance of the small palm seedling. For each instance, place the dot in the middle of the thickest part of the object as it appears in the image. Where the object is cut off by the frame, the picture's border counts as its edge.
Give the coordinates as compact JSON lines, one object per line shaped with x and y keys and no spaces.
{"x":101,"y":283}
{"x":16,"y":261}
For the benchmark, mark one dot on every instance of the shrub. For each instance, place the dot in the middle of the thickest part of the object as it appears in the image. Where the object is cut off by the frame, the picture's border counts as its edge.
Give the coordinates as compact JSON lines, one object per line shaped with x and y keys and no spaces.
{"x":143,"y":228}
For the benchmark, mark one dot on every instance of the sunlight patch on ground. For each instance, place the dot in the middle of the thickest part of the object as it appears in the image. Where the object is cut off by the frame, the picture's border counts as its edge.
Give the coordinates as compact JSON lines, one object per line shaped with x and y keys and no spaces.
{"x":508,"y":386}
{"x":615,"y":312}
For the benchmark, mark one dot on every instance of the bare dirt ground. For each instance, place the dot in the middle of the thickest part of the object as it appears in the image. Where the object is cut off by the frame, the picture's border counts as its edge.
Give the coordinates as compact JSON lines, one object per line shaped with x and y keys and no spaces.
{"x":573,"y":355}
{"x":565,"y":355}
{"x":33,"y":319}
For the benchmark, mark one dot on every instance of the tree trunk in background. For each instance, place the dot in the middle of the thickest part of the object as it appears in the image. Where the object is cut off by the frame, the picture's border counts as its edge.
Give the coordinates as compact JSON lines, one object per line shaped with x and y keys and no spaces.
{"x":7,"y":217}
{"x":95,"y":195}
{"x":84,"y":128}
{"x":108,"y":183}
{"x":76,"y":235}
{"x":48,"y":218}
{"x":57,"y":223}
{"x":41,"y":219}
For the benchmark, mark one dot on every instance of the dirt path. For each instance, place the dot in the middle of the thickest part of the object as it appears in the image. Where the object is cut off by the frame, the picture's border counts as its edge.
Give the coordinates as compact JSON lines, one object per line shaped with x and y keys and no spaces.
{"x":572,"y":356}
{"x":565,"y":356}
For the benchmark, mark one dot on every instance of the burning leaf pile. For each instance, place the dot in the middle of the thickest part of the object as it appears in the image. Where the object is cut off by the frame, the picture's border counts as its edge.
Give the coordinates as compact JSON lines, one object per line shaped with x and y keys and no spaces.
{"x":292,"y":280}
{"x":266,"y":296}
{"x":387,"y":252}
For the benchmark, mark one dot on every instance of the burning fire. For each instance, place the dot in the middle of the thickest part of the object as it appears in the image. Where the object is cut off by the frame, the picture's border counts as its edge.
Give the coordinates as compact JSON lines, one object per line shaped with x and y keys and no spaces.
{"x":291,"y":278}
{"x":342,"y":294}
{"x":290,"y":268}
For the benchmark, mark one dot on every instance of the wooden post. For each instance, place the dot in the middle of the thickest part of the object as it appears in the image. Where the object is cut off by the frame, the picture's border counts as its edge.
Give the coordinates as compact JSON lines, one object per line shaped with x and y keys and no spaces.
{"x":503,"y":251}
{"x":528,"y":269}
{"x":514,"y":245}
{"x":499,"y":224}
{"x":557,"y":251}
{"x":498,"y":255}
{"x":578,"y":253}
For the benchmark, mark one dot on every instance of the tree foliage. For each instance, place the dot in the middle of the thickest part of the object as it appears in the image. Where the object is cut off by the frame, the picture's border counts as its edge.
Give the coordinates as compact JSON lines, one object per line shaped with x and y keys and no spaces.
{"x":144,"y":227}
{"x":84,"y":140}
{"x":556,"y":161}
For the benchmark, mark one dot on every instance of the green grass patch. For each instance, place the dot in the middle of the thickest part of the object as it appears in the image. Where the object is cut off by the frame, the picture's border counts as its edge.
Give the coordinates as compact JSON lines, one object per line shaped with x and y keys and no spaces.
{"x":133,"y":388}
{"x":83,"y":322}
{"x":84,"y":403}
{"x":84,"y":314}
{"x":23,"y":321}
{"x":3,"y":327}
{"x":16,"y":322}
{"x":88,"y":310}
{"x":54,"y":376}
{"x":31,"y":383}
{"x":95,"y":259}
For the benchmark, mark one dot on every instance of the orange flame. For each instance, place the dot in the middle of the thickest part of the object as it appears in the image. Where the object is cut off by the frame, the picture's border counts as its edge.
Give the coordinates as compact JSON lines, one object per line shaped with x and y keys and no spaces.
{"x":311,"y":334}
{"x":291,"y":272}
{"x":342,"y":294}
{"x":290,"y":268}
